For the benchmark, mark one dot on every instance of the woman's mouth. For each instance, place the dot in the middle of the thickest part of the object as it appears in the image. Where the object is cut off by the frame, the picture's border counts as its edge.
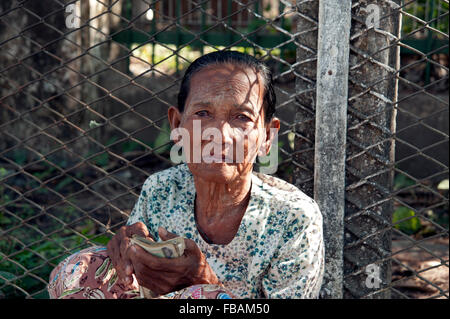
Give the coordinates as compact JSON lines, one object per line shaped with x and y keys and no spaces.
{"x":217,"y":159}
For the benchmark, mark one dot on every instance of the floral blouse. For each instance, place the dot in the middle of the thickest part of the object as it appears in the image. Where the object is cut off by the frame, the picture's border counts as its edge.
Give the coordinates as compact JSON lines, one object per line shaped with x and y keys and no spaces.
{"x":278,"y":250}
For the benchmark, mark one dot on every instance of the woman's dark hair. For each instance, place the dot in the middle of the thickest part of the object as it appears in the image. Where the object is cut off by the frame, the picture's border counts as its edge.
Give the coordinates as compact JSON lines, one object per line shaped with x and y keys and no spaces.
{"x":232,"y":57}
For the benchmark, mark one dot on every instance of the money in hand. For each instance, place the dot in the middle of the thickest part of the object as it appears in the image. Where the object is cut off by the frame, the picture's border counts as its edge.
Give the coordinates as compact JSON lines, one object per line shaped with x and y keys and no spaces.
{"x":171,"y":248}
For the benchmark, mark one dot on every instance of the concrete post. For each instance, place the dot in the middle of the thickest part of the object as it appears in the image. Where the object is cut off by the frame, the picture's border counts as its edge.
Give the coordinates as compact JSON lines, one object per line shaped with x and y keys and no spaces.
{"x":330,"y":135}
{"x":374,"y":59}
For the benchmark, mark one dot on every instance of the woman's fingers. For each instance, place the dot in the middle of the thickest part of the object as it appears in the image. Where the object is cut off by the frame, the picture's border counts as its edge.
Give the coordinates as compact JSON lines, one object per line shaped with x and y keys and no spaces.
{"x":118,"y":247}
{"x":190,"y":259}
{"x":163,"y":275}
{"x":191,"y":247}
{"x":126,"y":267}
{"x":113,"y":248}
{"x":153,"y":272}
{"x":115,"y":252}
{"x":165,"y":235}
{"x":140,"y":229}
{"x":139,"y":256}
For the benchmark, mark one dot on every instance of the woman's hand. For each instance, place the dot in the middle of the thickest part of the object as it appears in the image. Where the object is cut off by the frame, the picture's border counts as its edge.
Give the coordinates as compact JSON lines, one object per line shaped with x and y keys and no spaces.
{"x":164,"y":275}
{"x":119,"y":245}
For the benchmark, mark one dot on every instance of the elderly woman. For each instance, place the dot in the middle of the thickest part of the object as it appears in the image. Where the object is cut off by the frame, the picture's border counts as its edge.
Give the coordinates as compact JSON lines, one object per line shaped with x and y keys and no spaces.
{"x":247,"y":234}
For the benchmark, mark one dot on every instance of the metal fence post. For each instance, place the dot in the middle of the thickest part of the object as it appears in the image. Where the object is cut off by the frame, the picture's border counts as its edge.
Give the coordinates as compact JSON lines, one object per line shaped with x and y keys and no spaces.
{"x":330,"y":134}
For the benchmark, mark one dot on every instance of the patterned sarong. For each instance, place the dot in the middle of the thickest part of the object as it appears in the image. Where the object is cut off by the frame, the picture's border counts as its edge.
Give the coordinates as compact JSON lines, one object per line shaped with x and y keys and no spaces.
{"x":89,"y":274}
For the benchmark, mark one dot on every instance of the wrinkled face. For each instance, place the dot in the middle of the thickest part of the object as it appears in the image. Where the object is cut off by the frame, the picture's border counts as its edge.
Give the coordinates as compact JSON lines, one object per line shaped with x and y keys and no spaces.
{"x":225,"y":120}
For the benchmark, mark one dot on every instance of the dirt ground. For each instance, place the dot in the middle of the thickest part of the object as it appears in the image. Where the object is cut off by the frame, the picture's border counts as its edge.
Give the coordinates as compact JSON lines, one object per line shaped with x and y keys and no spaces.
{"x":431,"y":263}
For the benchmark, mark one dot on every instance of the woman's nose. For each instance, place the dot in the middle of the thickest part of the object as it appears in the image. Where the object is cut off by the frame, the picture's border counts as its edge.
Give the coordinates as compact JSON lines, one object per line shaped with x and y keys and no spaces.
{"x":226,"y":131}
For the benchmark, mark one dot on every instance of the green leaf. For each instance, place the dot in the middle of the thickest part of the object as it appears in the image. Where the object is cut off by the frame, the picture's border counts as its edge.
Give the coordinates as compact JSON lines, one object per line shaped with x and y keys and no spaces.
{"x":66,"y":181}
{"x":3,"y":172}
{"x":402,"y":181}
{"x":20,"y":156}
{"x":4,"y":220}
{"x":255,"y":24}
{"x":130,"y":146}
{"x":102,"y":160}
{"x":409,"y":226}
{"x":88,"y":227}
{"x":6,"y":275}
{"x":101,"y":240}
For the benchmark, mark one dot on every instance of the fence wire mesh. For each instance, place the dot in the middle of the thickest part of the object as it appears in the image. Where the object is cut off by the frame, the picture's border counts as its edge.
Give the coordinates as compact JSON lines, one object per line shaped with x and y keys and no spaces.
{"x":420,"y":194}
{"x":84,"y":92}
{"x":400,"y":228}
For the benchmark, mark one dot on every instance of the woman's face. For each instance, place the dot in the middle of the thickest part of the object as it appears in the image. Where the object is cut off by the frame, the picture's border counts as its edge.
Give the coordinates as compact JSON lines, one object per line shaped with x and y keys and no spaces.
{"x":224,"y":117}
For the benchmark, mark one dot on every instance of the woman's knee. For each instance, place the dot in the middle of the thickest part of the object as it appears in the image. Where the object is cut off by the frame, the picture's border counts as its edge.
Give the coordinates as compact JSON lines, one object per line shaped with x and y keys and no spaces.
{"x":74,"y":270}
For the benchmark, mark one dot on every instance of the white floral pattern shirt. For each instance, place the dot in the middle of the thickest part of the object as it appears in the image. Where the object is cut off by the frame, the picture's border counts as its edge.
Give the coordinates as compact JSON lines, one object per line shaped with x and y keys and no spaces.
{"x":278,"y":250}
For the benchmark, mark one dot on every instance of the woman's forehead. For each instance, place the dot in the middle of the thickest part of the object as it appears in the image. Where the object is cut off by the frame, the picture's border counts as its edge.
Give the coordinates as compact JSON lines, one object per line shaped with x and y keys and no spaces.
{"x":233,"y":82}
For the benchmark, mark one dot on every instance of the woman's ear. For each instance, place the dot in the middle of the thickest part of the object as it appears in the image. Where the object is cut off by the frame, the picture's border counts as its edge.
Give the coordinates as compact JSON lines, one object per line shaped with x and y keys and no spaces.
{"x":271,"y":128}
{"x":174,"y":117}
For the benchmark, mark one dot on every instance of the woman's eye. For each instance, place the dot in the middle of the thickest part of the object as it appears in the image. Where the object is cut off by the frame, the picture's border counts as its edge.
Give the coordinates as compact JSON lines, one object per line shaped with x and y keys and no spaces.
{"x":202,"y":113}
{"x":243,"y":117}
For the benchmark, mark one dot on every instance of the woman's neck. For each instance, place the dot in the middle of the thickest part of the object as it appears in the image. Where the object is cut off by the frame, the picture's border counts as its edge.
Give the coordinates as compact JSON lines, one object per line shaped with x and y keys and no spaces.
{"x":216,"y":201}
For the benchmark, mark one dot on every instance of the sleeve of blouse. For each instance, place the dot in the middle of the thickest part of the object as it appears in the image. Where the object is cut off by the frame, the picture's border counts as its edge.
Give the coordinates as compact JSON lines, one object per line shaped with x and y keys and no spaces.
{"x":296,"y":271}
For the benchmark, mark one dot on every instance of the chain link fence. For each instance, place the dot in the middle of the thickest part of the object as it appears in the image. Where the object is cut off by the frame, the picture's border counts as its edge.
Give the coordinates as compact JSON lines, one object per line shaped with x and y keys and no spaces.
{"x":397,"y":130}
{"x":84,"y":92}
